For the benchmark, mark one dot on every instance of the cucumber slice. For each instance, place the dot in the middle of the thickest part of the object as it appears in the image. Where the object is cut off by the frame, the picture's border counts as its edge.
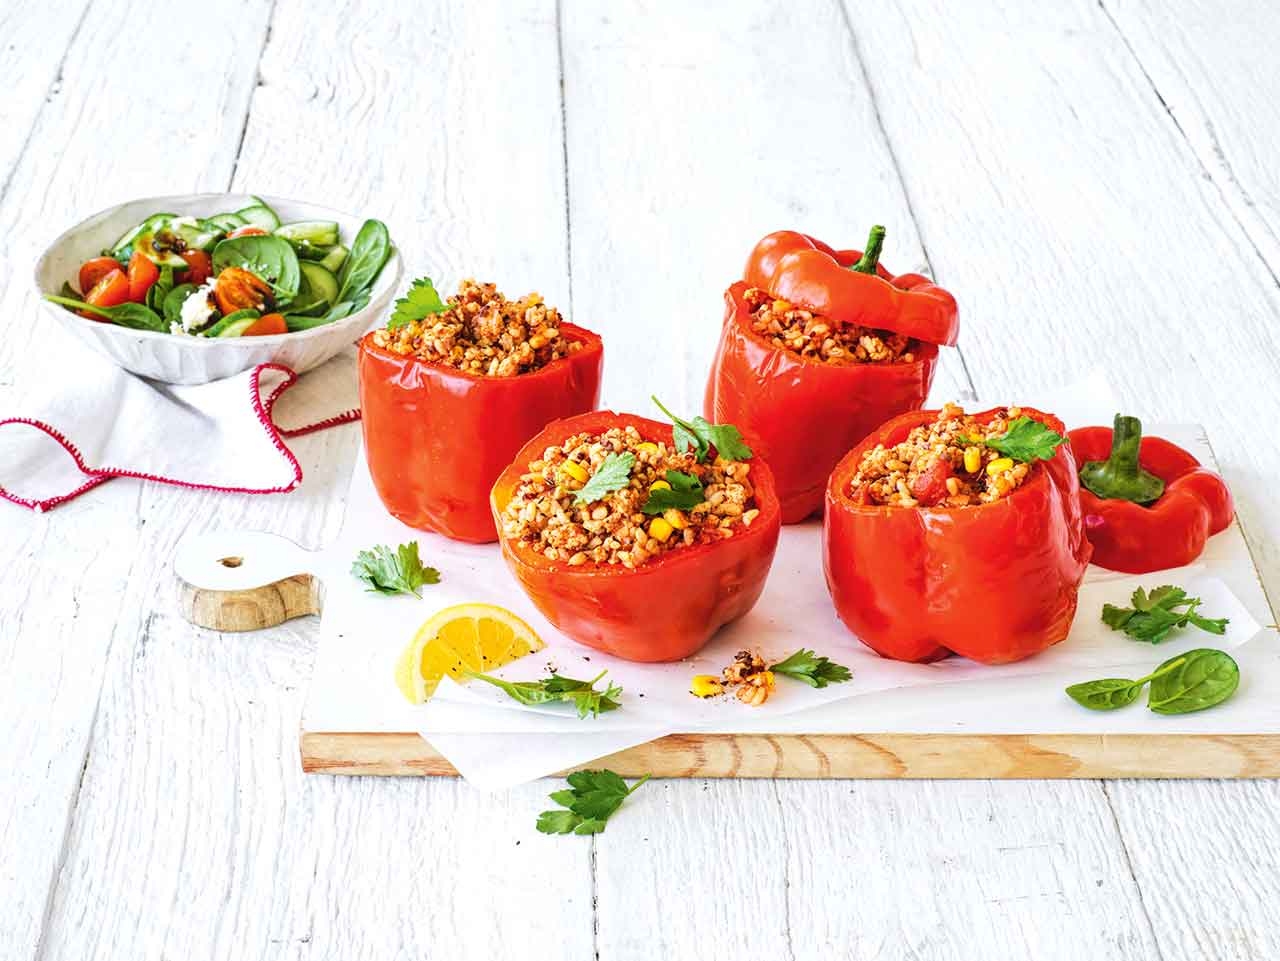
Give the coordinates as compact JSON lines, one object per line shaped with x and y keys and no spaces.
{"x":260,"y":215}
{"x":310,"y":233}
{"x":200,"y":235}
{"x":123,"y":247}
{"x":323,"y":284}
{"x":145,"y":243}
{"x":334,"y":259}
{"x":234,"y":324}
{"x":227,"y":222}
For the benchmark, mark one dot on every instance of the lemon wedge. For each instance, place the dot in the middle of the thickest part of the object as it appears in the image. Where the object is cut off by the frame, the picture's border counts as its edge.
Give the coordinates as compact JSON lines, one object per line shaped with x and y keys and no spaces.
{"x":462,"y":638}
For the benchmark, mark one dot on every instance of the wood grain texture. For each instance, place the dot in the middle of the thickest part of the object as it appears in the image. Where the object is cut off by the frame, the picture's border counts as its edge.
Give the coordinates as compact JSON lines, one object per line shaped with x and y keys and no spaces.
{"x":1051,"y":191}
{"x":93,"y":556}
{"x":196,"y":834}
{"x":1061,"y":204}
{"x":866,"y":756}
{"x":251,"y":610}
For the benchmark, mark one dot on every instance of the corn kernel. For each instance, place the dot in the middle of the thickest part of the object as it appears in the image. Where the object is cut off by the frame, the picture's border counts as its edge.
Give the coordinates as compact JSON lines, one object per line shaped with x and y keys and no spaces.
{"x":648,"y":446}
{"x":705,"y":685}
{"x":1000,"y":465}
{"x":972,"y":459}
{"x":659,"y":529}
{"x":781,"y":306}
{"x":575,"y":470}
{"x":659,"y":485}
{"x":675,"y":519}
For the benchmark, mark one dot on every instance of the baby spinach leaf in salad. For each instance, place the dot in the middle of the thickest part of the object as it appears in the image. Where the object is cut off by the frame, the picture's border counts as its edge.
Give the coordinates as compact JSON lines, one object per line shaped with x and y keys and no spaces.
{"x":133,"y":316}
{"x":271,"y":258}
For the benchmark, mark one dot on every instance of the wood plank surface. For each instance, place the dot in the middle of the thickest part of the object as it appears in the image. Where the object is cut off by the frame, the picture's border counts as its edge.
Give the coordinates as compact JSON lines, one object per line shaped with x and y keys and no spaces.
{"x":1044,"y":160}
{"x":821,"y":756}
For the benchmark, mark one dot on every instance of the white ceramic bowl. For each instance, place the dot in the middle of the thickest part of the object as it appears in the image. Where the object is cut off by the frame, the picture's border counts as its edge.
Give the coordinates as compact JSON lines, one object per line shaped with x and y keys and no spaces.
{"x":176,"y":359}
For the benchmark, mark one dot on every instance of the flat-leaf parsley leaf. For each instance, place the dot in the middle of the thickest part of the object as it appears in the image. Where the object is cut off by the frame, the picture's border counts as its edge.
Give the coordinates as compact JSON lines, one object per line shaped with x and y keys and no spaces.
{"x":701,"y":435}
{"x":685,"y":494}
{"x":557,"y":688}
{"x":419,"y":302}
{"x":592,"y":799}
{"x":394,"y":572}
{"x":614,"y":474}
{"x":805,"y":665}
{"x":1026,"y":440}
{"x":1157,"y":613}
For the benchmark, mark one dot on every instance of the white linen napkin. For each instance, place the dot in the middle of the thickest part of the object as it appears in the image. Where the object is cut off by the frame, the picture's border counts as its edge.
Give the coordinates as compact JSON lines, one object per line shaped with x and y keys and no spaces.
{"x":94,"y":421}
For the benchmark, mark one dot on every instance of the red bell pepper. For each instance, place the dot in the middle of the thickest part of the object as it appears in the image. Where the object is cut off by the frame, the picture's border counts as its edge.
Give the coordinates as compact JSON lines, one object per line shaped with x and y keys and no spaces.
{"x":1148,"y":504}
{"x":807,"y":414}
{"x":992,"y":582}
{"x":670,"y":606}
{"x":436,"y":437}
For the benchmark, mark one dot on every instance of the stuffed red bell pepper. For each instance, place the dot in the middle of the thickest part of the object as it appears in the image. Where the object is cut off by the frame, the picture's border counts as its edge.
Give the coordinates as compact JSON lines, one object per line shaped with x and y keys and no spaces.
{"x":949,"y":533}
{"x":818,"y":348}
{"x":450,"y":391}
{"x":635,"y":537}
{"x":1148,"y":504}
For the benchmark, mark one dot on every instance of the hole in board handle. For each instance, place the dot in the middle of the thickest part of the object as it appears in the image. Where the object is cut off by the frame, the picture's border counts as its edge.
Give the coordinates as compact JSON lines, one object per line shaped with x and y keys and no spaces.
{"x":231,"y":561}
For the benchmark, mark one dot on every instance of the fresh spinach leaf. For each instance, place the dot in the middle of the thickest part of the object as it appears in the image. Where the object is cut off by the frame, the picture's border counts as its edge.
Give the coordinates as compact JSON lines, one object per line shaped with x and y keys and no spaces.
{"x":133,"y":316}
{"x":1193,"y":681}
{"x":370,"y":252}
{"x":160,"y":289}
{"x":269,"y":257}
{"x":1105,"y":695}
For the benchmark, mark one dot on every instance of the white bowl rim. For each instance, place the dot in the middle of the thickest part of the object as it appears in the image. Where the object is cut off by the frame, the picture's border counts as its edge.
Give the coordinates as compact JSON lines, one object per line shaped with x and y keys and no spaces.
{"x":393,"y":265}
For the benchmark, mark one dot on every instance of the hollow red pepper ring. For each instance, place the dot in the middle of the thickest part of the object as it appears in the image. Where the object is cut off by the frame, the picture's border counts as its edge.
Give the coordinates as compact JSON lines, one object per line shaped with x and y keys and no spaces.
{"x":436,"y":438}
{"x":992,"y":582}
{"x":806,"y":414}
{"x":667,"y":608}
{"x":798,"y":268}
{"x":1171,"y":532}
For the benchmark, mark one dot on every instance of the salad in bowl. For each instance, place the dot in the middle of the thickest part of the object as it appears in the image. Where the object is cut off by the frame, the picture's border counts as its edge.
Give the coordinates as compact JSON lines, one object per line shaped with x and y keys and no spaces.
{"x":191,"y":289}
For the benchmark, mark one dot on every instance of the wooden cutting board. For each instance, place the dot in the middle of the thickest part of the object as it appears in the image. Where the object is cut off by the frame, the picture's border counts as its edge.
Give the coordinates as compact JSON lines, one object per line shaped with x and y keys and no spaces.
{"x":989,"y":730}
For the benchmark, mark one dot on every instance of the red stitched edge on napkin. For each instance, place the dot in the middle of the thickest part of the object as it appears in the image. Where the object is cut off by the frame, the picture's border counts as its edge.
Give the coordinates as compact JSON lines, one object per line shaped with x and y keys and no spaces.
{"x":262,"y":408}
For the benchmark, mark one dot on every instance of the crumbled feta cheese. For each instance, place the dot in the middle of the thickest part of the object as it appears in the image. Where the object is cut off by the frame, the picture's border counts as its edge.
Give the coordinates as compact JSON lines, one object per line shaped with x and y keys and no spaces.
{"x":198,"y":307}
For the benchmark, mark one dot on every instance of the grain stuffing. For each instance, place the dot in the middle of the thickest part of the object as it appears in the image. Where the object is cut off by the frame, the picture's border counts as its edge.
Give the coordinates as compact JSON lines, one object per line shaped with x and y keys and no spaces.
{"x":943,"y":463}
{"x":483,"y":333}
{"x":546,"y":515}
{"x":821,"y":339}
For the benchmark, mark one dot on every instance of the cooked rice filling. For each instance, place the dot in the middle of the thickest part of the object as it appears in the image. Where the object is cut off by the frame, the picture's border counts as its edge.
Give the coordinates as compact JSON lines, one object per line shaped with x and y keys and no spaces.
{"x":818,"y":338}
{"x":482,"y":332}
{"x":543,"y":513}
{"x":932,"y":467}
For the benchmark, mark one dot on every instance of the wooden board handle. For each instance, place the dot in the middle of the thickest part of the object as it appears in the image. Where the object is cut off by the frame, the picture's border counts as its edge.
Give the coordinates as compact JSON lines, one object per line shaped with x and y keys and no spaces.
{"x":245,"y":580}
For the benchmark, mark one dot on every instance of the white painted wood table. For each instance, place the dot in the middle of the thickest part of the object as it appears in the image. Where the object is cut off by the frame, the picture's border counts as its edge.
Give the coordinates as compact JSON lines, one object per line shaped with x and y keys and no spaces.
{"x":1095,"y":181}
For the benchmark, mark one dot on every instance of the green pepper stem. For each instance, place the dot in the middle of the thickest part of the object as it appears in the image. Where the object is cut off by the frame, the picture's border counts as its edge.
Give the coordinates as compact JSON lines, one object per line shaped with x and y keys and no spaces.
{"x":871,"y":256}
{"x":1120,"y":477}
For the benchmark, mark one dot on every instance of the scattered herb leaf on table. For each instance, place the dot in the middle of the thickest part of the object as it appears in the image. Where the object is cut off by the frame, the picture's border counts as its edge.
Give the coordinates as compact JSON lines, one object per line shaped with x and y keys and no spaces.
{"x":814,"y":670}
{"x":394,"y":572}
{"x":592,"y":798}
{"x":560,"y":689}
{"x":1156,"y":614}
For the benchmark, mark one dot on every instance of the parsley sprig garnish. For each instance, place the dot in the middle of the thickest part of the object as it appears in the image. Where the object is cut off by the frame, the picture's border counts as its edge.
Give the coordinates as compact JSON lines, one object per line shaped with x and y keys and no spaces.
{"x":557,"y":688}
{"x":1156,"y":614}
{"x":394,"y":572}
{"x":613,"y":475}
{"x":814,"y":670}
{"x":1026,"y":440}
{"x":592,"y":799}
{"x":419,"y":302}
{"x":700,"y":435}
{"x":686,"y":493}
